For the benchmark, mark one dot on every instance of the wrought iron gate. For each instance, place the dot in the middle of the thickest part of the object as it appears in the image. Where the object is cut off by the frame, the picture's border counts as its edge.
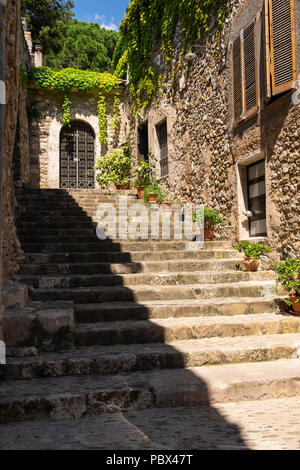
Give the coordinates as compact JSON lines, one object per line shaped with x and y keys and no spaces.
{"x":77,"y":153}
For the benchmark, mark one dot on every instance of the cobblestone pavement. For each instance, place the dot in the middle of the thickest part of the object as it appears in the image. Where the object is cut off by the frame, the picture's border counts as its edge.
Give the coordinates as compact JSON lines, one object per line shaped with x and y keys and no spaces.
{"x":260,"y":425}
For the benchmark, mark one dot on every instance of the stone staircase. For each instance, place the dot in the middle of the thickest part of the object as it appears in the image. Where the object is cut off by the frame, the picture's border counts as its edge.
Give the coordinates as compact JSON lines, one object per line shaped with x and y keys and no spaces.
{"x":149,"y":323}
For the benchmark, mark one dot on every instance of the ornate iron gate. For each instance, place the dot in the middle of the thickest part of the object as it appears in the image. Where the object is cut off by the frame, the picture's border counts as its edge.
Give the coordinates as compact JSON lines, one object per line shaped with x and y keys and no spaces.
{"x":77,"y":153}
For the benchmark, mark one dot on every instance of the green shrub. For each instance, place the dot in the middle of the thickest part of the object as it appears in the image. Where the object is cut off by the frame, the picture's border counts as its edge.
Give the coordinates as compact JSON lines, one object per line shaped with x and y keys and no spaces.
{"x":114,"y":167}
{"x":211,"y":217}
{"x":143,"y":170}
{"x":252,"y":250}
{"x":289,"y":275}
{"x":156,"y":190}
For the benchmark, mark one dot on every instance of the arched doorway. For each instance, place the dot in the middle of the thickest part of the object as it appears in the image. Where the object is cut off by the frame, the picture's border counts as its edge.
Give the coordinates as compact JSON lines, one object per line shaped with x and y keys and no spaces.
{"x":77,"y":156}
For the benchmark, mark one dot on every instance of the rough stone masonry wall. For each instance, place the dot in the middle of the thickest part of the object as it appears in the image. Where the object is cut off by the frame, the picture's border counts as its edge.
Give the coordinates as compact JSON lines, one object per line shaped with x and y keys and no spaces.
{"x":204,"y":147}
{"x":15,"y":105}
{"x":46,"y":124}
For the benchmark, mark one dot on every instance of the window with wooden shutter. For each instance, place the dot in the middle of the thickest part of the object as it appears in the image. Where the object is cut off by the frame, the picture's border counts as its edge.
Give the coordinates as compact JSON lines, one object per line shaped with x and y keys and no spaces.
{"x":237,"y":79}
{"x":280,"y":46}
{"x":245,"y":73}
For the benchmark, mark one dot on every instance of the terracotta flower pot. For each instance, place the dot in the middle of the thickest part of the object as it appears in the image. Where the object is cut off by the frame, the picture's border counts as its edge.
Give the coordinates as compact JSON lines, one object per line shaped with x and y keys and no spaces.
{"x":251,"y":265}
{"x":296,"y":305}
{"x":166,"y":205}
{"x":209,"y":234}
{"x":140,"y":191}
{"x":120,"y":186}
{"x":152,"y":197}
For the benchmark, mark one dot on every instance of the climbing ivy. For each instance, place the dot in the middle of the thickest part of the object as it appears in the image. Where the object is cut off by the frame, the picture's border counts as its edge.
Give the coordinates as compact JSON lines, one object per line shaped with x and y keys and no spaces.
{"x":83,"y":80}
{"x":148,"y":23}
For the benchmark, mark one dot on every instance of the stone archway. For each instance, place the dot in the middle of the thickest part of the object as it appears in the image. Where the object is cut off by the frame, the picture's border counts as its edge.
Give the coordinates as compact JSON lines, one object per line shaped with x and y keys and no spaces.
{"x":50,"y":169}
{"x":76,"y":156}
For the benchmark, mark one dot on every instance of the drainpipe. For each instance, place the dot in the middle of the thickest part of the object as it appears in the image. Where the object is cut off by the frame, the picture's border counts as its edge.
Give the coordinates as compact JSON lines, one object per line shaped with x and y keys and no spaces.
{"x":2,"y":110}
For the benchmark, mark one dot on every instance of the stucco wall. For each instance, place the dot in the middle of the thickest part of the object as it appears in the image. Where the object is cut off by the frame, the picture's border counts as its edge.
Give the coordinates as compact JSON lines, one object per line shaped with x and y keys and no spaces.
{"x":206,"y":153}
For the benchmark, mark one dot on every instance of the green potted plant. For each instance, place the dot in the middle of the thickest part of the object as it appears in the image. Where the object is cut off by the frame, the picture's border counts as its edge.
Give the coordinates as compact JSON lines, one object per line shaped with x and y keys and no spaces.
{"x":252,"y":253}
{"x":114,"y":168}
{"x":153,"y":193}
{"x":289,"y":277}
{"x":211,"y":218}
{"x":143,"y":171}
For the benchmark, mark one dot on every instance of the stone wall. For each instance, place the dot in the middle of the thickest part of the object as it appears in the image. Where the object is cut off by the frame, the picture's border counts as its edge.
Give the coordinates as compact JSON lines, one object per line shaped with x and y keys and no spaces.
{"x":46,"y":124}
{"x":207,"y":153}
{"x":16,"y":149}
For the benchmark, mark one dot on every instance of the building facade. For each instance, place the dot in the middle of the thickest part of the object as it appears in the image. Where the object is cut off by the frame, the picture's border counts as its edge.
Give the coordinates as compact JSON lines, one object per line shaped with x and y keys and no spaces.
{"x":227,"y":133}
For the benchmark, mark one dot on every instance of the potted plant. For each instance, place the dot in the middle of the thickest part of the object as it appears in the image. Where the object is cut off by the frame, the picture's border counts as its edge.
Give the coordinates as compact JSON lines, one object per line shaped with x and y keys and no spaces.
{"x":114,"y":168}
{"x":143,"y":171}
{"x":252,"y":253}
{"x":211,"y":218}
{"x":153,"y":193}
{"x":289,"y":277}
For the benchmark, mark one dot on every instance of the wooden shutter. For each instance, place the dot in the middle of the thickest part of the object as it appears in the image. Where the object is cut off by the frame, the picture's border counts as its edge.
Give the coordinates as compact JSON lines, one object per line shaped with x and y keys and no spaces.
{"x":282,"y":56}
{"x":250,"y":73}
{"x":237,"y":79}
{"x":244,"y":71}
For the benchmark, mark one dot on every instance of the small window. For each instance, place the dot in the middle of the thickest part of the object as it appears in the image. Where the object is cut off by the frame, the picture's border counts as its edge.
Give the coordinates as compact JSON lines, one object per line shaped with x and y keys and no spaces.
{"x":162,"y":136}
{"x":244,"y":74}
{"x":280,"y":46}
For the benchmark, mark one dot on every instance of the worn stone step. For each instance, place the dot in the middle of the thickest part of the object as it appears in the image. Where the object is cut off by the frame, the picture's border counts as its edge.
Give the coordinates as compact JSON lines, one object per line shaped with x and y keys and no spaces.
{"x":144,"y":292}
{"x":114,"y":311}
{"x":133,"y":249}
{"x":58,"y":233}
{"x":81,"y":396}
{"x":157,"y":279}
{"x":177,"y":329}
{"x":246,"y":425}
{"x":116,"y":359}
{"x":147,"y":259}
{"x":86,"y":239}
{"x":130,"y":268}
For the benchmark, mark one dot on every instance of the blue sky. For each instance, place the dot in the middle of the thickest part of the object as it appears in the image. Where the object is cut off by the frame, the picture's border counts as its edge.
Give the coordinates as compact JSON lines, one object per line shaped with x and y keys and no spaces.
{"x":108,"y":13}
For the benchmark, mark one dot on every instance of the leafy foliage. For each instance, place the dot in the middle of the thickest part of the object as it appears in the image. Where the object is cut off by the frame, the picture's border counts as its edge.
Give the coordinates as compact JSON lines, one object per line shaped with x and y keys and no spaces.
{"x":65,"y":80}
{"x":144,"y":172}
{"x":85,"y":46}
{"x":252,"y":250}
{"x":210,"y":217}
{"x":68,"y":42}
{"x":114,"y":168}
{"x":156,"y":190}
{"x":289,"y":275}
{"x":47,"y":20}
{"x":148,"y":23}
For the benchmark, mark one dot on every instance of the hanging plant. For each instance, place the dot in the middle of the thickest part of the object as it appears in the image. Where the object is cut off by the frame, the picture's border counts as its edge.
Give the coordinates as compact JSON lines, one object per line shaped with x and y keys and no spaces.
{"x":147,"y":24}
{"x":84,"y":80}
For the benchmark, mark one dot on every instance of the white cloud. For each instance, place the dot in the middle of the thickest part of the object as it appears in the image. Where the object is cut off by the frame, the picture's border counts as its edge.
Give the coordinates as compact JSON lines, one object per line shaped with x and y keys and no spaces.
{"x":106,"y":24}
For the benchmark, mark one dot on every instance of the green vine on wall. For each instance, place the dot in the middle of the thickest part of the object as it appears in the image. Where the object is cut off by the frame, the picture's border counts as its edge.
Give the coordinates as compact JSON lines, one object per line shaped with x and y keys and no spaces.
{"x":148,"y":23}
{"x":65,"y":80}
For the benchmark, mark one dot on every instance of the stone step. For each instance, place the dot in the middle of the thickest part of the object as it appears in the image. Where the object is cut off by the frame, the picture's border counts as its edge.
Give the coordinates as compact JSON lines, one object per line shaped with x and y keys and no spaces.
{"x":152,"y":279}
{"x":177,"y":329}
{"x":246,"y":425}
{"x":91,"y":238}
{"x":132,"y":268}
{"x":144,"y":292}
{"x":121,"y":311}
{"x":116,"y":359}
{"x":75,"y":397}
{"x":133,"y":247}
{"x":39,"y":325}
{"x":184,"y":258}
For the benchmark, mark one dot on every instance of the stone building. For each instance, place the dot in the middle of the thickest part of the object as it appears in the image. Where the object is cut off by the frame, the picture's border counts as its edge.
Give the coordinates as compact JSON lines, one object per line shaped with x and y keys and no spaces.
{"x":227,"y":133}
{"x":50,"y":166}
{"x":14,"y":139}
